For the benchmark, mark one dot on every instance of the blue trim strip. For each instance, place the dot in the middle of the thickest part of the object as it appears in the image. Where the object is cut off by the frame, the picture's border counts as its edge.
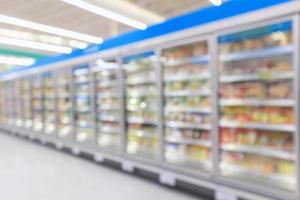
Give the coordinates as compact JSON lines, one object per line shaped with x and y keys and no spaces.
{"x":196,"y":18}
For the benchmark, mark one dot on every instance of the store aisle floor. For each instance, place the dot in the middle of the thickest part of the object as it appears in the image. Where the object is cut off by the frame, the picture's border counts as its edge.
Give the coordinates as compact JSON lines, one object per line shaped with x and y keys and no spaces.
{"x":33,"y":172}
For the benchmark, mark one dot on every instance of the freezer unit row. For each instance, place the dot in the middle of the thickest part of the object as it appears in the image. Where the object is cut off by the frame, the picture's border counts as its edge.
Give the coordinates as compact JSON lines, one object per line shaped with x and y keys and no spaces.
{"x":180,"y":105}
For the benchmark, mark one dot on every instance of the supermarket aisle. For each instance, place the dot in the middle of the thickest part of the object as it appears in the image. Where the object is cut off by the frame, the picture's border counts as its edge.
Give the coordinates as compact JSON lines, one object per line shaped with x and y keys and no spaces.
{"x":33,"y":172}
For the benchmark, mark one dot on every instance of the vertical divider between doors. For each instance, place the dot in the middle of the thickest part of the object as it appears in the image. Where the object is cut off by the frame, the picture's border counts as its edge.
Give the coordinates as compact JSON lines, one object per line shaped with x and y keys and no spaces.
{"x":296,"y":65}
{"x":93,"y":103}
{"x":122,"y":102}
{"x":159,"y":85}
{"x":213,"y":52}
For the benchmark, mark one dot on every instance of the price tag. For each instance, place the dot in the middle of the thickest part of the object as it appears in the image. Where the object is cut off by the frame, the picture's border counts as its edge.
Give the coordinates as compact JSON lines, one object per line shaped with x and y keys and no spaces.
{"x":167,"y":179}
{"x":265,"y":76}
{"x":75,"y":151}
{"x":128,"y":167}
{"x":99,"y":158}
{"x":221,"y":195}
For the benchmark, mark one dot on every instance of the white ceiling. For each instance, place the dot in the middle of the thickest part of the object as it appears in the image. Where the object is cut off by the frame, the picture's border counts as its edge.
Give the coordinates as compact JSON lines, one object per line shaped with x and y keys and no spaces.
{"x":60,"y":14}
{"x":57,"y":13}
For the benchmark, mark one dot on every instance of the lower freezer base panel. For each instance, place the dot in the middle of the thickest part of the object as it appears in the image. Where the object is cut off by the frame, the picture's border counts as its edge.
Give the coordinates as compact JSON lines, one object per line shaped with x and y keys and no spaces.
{"x":206,"y":189}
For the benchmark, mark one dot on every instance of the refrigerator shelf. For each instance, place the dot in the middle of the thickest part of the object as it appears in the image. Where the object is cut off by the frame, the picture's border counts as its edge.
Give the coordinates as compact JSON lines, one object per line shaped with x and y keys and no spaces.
{"x":133,"y":69}
{"x":204,"y":59}
{"x":108,"y":129}
{"x":271,"y":76}
{"x":63,"y":96}
{"x":103,"y":107}
{"x":263,"y":151}
{"x":138,"y":108}
{"x":187,"y":141}
{"x":185,"y":125}
{"x":82,"y":95}
{"x":142,"y":134}
{"x":140,"y":81}
{"x":108,"y":118}
{"x":258,"y":102}
{"x":138,"y":120}
{"x":82,"y":81}
{"x":205,"y":110}
{"x":187,"y":93}
{"x":83,"y":109}
{"x":190,"y":77}
{"x":107,"y":84}
{"x":107,"y":95}
{"x":62,"y":83}
{"x":140,"y":94}
{"x":260,"y":53}
{"x":260,"y":126}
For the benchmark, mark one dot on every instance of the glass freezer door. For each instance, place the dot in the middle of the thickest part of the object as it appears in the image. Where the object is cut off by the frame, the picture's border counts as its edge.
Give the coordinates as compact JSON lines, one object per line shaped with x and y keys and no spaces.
{"x":83,"y":119}
{"x":64,"y":103}
{"x":26,"y":103}
{"x":8,"y":103}
{"x":107,"y":99}
{"x":141,"y":105}
{"x":49,"y":103}
{"x":257,"y":124}
{"x":36,"y":101}
{"x":187,"y":100}
{"x":17,"y":93}
{"x":2,"y":104}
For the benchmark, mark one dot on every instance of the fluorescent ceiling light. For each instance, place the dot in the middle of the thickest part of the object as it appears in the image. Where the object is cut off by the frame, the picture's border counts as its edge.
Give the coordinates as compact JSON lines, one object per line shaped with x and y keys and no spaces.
{"x":50,"y":39}
{"x":216,"y":2}
{"x":35,"y":45}
{"x":9,"y":60}
{"x":49,"y":29}
{"x":106,"y":13}
{"x":78,"y":44}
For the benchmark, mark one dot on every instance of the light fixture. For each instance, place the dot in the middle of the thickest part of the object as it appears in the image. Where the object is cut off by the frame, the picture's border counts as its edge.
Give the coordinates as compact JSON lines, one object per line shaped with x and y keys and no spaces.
{"x":216,"y":2}
{"x":49,"y":29}
{"x":22,"y":61}
{"x":35,"y":45}
{"x":78,"y":44}
{"x":106,"y":13}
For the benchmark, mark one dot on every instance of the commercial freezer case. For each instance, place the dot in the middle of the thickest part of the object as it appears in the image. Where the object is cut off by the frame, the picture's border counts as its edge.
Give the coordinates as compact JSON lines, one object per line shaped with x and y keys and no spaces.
{"x":252,"y":109}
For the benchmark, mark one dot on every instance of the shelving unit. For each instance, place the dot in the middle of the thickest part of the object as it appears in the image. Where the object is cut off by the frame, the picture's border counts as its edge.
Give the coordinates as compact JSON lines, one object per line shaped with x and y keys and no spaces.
{"x":2,"y":104}
{"x":49,"y":102}
{"x":141,"y":105}
{"x":8,"y":103}
{"x":64,"y":103}
{"x":216,"y":106}
{"x":257,"y":123}
{"x":17,"y":94}
{"x":82,"y":105}
{"x":26,"y":103}
{"x":187,"y":106}
{"x":107,"y":98}
{"x":37,"y":103}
